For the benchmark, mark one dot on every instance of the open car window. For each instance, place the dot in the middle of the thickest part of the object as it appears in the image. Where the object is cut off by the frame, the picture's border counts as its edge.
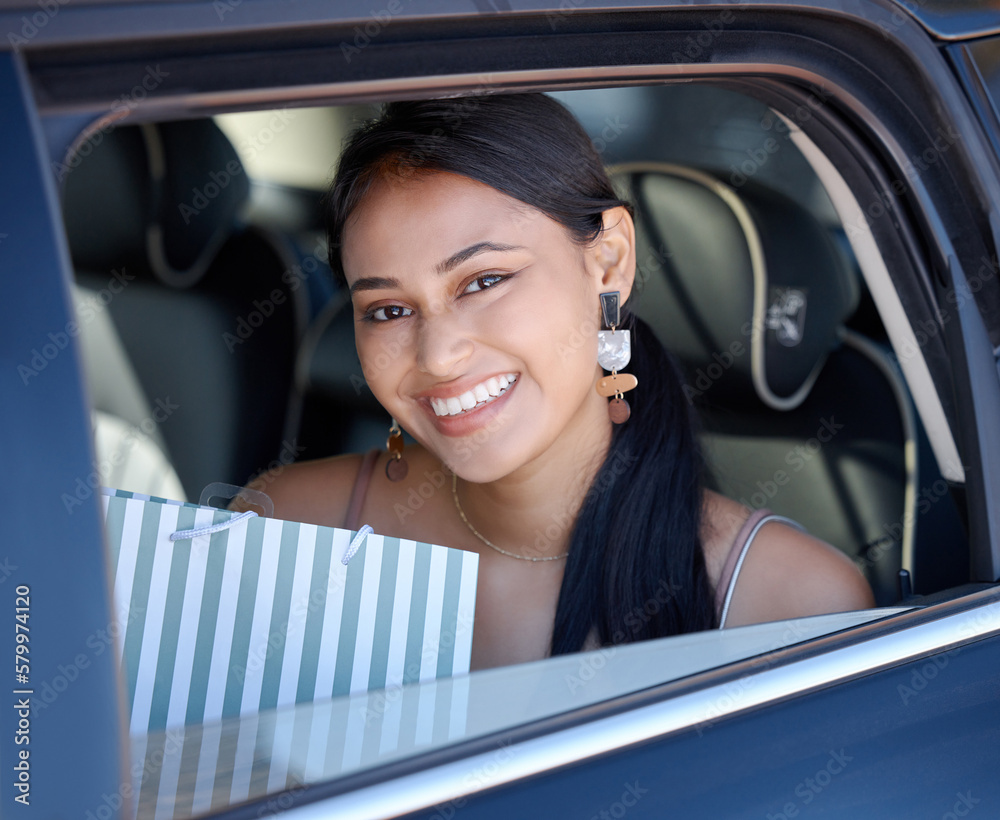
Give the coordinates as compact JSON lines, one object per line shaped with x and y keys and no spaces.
{"x":727,"y":205}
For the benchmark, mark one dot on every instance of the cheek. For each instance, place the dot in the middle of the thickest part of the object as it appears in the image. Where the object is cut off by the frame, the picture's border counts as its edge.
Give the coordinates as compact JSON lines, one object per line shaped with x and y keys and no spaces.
{"x":382,"y":359}
{"x":564,"y":337}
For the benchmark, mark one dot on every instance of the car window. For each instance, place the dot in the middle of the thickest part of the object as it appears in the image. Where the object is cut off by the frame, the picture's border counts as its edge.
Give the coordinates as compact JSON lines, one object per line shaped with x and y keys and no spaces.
{"x":198,"y":767}
{"x":234,"y":356}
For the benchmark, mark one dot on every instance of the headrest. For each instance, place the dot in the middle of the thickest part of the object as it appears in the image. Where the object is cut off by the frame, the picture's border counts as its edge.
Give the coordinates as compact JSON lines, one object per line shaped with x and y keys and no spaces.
{"x":743,"y":285}
{"x":160,"y":199}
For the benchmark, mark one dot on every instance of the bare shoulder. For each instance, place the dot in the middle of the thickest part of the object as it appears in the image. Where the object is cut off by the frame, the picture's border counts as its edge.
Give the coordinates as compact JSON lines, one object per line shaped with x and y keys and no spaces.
{"x":314,"y":492}
{"x":786,"y":573}
{"x":722,"y":519}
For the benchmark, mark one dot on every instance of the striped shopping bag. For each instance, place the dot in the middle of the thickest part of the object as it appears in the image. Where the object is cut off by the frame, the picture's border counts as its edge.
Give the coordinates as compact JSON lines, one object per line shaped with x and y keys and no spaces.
{"x":245,"y":613}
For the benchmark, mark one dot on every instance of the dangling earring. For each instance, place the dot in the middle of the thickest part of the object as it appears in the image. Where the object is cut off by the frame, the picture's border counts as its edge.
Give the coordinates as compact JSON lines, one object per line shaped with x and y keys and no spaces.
{"x":614,"y":351}
{"x":396,"y":468}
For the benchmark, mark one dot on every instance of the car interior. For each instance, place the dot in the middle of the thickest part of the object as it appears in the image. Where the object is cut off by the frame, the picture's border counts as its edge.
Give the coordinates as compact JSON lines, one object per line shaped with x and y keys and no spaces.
{"x":217,"y":344}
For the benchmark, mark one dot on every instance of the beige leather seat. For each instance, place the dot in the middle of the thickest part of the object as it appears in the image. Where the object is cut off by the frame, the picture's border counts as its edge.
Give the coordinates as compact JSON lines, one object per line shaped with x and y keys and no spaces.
{"x":128,"y":444}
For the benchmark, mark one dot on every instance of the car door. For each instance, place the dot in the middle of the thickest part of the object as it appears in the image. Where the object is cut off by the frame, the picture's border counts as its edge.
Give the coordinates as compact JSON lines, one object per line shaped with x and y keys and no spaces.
{"x":886,"y":719}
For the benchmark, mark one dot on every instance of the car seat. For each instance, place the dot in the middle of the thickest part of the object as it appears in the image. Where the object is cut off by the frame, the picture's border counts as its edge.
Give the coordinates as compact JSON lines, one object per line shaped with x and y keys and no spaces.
{"x":208,"y":327}
{"x":799,"y":413}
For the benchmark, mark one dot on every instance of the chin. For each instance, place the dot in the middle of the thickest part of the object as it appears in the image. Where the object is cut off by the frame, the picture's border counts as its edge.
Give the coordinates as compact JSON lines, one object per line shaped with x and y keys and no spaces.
{"x":478,"y":464}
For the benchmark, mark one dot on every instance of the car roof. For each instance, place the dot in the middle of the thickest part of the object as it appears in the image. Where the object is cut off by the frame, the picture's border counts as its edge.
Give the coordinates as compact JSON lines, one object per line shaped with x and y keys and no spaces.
{"x":119,"y":20}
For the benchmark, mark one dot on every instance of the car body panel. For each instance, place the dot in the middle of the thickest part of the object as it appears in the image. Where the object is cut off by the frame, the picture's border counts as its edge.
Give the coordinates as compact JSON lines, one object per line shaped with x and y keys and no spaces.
{"x":52,"y":550}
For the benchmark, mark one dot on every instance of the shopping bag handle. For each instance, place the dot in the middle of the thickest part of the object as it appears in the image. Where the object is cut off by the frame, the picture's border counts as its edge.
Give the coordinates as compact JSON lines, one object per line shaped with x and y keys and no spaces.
{"x":228,"y":491}
{"x":356,"y":543}
{"x":255,"y":498}
{"x":182,"y":535}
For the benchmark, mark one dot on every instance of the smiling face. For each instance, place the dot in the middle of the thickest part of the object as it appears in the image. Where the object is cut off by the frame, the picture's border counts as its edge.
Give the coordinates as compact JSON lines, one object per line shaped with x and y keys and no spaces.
{"x":476,"y":320}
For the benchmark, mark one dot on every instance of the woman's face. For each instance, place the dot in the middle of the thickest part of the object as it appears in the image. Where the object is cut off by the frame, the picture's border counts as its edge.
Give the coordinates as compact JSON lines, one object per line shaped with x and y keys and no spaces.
{"x":476,"y":319}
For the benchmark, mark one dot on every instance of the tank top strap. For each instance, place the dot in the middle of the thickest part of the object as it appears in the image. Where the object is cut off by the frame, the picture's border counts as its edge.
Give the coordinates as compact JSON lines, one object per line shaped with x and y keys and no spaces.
{"x":360,"y":490}
{"x":737,"y":553}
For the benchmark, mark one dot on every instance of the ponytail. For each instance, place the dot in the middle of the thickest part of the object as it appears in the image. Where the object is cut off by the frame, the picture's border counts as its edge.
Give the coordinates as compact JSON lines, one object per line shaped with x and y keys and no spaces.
{"x":635,"y":568}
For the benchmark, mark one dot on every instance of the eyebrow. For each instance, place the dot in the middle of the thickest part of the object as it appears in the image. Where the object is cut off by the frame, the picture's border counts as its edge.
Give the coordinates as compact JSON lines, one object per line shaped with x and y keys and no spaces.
{"x":452,"y":262}
{"x":457,"y":259}
{"x":373,"y":283}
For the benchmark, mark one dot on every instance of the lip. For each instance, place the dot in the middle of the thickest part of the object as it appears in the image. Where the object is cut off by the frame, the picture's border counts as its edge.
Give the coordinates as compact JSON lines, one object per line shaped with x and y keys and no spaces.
{"x":470,"y":421}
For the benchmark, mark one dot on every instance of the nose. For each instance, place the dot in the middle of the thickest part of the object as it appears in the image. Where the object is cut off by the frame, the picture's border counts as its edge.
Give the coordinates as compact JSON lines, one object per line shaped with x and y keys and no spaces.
{"x":443,"y":345}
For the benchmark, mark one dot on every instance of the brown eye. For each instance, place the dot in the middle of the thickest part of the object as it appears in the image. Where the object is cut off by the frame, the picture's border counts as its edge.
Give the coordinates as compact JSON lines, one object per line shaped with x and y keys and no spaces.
{"x":388,"y":312}
{"x":484,"y":282}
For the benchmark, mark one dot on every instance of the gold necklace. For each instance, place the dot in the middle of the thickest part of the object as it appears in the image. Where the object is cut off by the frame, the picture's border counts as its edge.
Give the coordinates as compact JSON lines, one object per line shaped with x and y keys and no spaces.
{"x":484,"y":539}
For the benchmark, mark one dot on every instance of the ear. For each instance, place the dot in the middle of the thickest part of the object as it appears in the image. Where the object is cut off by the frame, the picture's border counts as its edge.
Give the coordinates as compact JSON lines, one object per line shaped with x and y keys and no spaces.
{"x":612,"y":256}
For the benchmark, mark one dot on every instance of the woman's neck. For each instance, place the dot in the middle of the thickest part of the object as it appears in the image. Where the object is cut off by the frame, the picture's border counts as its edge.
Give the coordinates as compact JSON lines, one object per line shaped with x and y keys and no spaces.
{"x":532,"y":510}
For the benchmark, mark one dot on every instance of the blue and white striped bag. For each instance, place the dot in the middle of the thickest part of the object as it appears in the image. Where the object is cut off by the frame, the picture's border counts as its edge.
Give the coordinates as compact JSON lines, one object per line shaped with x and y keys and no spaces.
{"x":264,"y":613}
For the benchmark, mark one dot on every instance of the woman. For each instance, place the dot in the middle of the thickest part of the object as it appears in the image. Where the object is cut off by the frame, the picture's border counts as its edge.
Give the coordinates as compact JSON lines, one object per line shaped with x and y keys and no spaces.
{"x":480,"y":239}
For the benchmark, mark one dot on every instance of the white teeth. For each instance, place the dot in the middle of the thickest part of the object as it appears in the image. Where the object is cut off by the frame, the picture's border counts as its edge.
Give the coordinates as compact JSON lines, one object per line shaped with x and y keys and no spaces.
{"x":480,"y":394}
